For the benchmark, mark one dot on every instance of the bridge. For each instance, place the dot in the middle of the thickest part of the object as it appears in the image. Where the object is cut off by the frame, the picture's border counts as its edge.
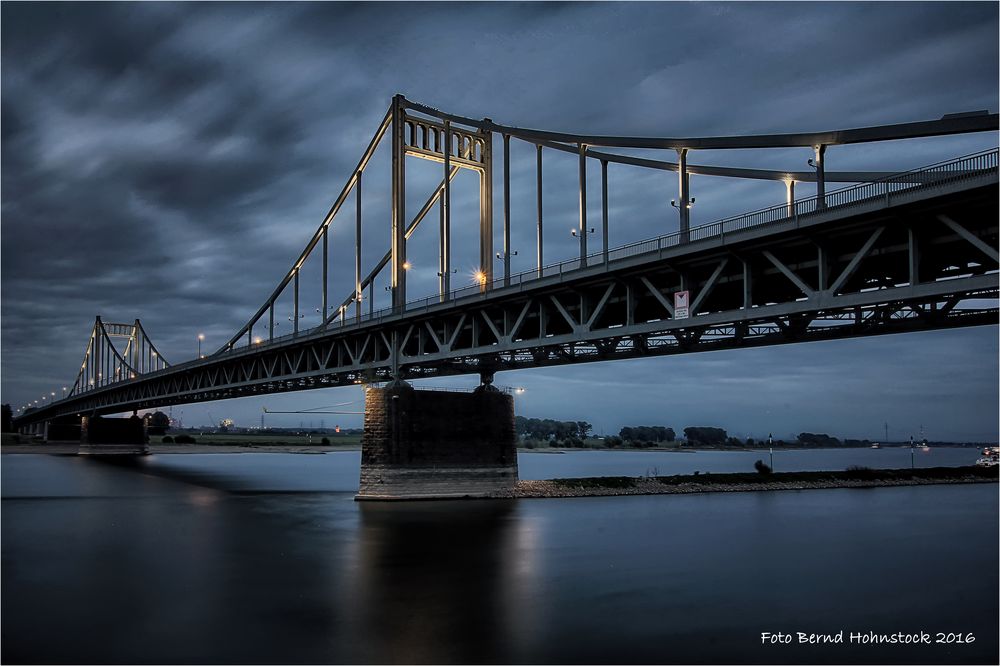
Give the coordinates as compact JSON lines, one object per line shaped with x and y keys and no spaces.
{"x":892,"y":252}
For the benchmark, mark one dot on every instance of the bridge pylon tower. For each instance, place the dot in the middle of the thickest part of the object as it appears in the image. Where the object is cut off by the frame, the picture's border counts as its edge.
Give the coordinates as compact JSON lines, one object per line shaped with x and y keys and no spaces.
{"x":104,"y":364}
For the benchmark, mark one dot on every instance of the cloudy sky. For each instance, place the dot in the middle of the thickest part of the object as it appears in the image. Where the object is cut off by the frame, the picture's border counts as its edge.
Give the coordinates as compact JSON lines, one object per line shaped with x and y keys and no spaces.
{"x":169,"y":162}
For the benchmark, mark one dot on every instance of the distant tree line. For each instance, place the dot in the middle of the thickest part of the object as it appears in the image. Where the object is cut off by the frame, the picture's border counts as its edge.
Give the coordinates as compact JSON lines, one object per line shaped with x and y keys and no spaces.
{"x":825,"y":441}
{"x":548,"y":432}
{"x":572,"y":434}
{"x":647,"y":434}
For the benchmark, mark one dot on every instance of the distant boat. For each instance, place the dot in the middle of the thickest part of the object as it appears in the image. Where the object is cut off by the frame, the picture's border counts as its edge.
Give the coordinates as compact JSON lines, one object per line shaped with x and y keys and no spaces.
{"x":875,"y":445}
{"x":991,"y":457}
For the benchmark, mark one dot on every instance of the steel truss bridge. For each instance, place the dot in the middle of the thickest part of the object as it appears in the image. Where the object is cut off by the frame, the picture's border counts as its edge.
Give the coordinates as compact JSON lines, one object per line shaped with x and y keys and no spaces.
{"x":898,"y":252}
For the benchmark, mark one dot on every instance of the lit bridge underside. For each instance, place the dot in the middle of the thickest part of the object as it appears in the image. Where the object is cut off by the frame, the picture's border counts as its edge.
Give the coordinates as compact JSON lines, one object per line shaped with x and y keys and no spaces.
{"x":910,"y":252}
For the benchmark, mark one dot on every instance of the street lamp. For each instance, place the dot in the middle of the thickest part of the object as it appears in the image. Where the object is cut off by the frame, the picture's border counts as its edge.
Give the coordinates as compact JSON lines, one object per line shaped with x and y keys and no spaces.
{"x":201,"y":336}
{"x":770,"y":448}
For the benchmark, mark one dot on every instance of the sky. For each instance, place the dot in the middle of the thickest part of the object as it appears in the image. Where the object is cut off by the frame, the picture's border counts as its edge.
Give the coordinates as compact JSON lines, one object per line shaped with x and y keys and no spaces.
{"x":168,"y":162}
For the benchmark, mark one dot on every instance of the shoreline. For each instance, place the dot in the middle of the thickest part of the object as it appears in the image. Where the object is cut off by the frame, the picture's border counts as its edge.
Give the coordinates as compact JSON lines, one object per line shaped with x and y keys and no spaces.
{"x":735,"y":483}
{"x":71,"y":448}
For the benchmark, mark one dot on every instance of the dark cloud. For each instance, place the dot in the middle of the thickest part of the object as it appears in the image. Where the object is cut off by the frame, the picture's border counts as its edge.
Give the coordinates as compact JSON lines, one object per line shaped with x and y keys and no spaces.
{"x":168,"y":161}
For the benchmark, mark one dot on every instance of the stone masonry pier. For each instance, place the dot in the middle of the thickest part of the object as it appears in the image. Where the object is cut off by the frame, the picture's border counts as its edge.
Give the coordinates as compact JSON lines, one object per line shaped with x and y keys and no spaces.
{"x":436,"y":444}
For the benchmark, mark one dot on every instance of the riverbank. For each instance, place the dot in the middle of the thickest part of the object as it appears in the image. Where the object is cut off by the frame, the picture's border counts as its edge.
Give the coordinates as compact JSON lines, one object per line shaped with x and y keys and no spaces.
{"x":72,"y":448}
{"x":749,"y":482}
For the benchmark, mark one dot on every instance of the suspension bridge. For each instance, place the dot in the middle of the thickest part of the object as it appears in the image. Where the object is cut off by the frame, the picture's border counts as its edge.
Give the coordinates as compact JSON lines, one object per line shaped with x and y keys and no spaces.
{"x":890,"y":253}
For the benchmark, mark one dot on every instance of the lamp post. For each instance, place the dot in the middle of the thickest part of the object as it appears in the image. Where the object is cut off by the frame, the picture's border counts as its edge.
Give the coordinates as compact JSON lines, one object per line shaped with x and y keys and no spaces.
{"x":911,"y":451}
{"x":201,"y":336}
{"x":770,"y":449}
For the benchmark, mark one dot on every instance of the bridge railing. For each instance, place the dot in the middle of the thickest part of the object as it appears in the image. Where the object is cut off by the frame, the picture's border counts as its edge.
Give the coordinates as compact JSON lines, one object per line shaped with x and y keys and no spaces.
{"x":923,"y":178}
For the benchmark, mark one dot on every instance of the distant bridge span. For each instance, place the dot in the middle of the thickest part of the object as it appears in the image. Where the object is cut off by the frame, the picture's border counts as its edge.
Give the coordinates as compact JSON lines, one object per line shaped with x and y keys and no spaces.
{"x":900,"y":252}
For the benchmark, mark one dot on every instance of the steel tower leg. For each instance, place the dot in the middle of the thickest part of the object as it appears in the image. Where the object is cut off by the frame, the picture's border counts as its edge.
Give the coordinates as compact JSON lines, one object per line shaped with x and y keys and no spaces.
{"x":683,"y":193}
{"x":357,"y":249}
{"x":790,"y":197}
{"x":583,"y":205}
{"x":326,"y":261}
{"x":506,"y":210}
{"x":604,"y":208}
{"x":398,"y":273}
{"x":820,"y":152}
{"x":486,"y":209}
{"x":444,"y":263}
{"x":538,"y":186}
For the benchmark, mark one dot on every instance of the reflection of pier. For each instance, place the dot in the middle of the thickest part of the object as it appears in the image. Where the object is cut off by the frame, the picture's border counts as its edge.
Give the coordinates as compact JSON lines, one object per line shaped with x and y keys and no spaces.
{"x":456,"y":563}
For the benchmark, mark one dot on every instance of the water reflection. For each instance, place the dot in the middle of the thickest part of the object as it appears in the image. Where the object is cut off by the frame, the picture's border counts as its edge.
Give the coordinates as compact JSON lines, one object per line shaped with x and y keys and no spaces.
{"x":228,"y":559}
{"x":431,"y":581}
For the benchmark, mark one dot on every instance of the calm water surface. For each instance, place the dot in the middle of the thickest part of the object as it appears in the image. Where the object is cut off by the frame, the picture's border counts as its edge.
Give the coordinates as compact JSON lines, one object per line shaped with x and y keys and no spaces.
{"x":266,"y":558}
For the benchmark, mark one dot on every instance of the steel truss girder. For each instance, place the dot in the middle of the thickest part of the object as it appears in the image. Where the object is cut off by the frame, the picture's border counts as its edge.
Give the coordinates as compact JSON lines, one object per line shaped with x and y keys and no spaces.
{"x":366,"y":355}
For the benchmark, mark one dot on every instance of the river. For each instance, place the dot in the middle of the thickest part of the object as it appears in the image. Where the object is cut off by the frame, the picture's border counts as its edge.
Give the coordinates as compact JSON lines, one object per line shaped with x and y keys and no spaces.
{"x":266,"y":558}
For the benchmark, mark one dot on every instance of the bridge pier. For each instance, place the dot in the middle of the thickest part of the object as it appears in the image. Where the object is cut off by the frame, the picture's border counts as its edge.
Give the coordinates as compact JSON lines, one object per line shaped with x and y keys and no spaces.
{"x":63,"y":429}
{"x":108,"y":436}
{"x":436,"y":444}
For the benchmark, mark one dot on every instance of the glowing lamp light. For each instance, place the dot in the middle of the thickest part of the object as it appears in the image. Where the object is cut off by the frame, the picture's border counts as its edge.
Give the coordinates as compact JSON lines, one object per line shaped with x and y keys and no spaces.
{"x":257,"y":340}
{"x":407,"y":265}
{"x":480,"y":276}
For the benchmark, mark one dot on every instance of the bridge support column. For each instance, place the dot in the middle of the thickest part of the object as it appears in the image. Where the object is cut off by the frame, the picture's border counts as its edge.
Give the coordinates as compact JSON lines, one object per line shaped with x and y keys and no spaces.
{"x":63,"y":429}
{"x":436,"y":444}
{"x":108,"y":436}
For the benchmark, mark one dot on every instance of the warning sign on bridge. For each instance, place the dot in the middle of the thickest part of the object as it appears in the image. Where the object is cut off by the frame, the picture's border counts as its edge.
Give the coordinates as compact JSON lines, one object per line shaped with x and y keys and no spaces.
{"x":681,"y":305}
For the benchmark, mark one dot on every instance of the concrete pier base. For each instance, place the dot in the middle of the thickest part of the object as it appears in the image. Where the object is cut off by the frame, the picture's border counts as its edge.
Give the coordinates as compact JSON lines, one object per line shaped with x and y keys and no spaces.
{"x":101,"y":436}
{"x":436,"y":444}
